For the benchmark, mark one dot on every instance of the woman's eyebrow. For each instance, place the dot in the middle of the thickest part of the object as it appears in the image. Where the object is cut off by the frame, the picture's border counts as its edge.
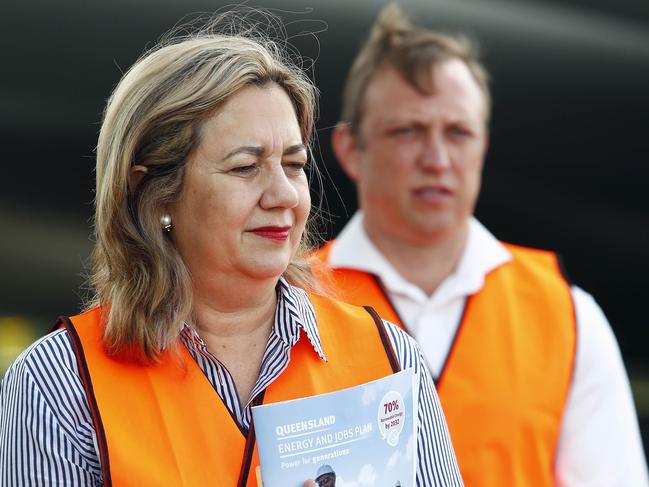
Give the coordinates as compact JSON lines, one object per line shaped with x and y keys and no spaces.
{"x":246,"y":149}
{"x":294,"y":149}
{"x":259,"y":151}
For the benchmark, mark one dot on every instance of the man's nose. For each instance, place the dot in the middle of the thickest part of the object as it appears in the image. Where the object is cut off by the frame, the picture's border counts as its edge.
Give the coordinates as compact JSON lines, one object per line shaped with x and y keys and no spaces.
{"x":435,"y":155}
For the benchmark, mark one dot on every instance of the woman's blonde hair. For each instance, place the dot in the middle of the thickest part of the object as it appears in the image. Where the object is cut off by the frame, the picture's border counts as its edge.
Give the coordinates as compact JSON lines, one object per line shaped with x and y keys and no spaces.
{"x":154,"y":119}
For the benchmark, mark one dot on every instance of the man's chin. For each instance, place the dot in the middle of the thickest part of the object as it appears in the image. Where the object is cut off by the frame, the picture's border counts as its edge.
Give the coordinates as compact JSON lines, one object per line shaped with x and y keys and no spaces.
{"x":432,"y":231}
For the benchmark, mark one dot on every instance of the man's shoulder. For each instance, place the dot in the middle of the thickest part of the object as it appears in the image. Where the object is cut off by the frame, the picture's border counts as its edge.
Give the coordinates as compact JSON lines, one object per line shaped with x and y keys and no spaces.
{"x":537,"y":261}
{"x":523,"y":250}
{"x":534,"y":278}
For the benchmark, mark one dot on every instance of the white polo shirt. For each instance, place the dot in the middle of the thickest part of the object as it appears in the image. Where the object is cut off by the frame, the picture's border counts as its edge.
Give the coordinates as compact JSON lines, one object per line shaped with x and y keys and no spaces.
{"x":599,"y":442}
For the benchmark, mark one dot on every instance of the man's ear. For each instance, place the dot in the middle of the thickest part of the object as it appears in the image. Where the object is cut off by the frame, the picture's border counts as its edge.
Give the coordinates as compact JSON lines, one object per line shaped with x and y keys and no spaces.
{"x":137,"y":172}
{"x":345,"y":146}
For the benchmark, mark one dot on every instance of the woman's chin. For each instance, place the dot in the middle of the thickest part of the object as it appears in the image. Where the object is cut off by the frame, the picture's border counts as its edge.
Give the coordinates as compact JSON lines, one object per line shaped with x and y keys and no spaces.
{"x":264,"y":271}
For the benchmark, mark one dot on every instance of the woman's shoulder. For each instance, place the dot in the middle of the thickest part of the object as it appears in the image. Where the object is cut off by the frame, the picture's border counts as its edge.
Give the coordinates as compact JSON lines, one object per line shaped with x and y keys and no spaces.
{"x":45,"y":380}
{"x":50,"y":358}
{"x":405,"y":347}
{"x":42,"y":398}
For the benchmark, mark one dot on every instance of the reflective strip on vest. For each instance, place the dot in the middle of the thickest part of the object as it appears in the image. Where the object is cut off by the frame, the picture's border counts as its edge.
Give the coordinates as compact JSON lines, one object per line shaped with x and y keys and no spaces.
{"x":505,"y":383}
{"x":165,"y":425}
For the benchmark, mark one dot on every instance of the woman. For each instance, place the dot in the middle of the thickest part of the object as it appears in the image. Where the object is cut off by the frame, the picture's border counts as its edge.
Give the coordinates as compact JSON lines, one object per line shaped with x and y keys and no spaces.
{"x":201,"y":206}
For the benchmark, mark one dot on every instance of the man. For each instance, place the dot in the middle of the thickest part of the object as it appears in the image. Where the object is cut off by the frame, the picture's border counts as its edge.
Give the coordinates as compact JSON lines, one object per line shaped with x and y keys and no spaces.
{"x":528,"y":370}
{"x":326,"y":476}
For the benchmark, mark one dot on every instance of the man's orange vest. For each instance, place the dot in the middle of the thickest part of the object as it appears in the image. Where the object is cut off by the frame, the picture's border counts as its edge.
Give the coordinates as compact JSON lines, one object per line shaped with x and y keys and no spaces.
{"x":165,"y":425}
{"x":506,"y":380}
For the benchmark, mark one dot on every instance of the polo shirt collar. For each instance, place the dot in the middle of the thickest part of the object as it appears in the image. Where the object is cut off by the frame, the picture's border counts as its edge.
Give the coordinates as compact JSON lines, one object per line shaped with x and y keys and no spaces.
{"x":353,"y":249}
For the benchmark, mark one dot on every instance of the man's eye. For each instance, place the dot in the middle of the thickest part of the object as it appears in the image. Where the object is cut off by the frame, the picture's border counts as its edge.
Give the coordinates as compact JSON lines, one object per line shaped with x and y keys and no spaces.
{"x":460,"y":132}
{"x":402,"y":131}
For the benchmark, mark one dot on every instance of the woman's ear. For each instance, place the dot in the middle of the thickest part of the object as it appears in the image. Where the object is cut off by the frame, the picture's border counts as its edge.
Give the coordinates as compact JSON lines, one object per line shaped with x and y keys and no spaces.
{"x":136,"y":174}
{"x":345,"y":146}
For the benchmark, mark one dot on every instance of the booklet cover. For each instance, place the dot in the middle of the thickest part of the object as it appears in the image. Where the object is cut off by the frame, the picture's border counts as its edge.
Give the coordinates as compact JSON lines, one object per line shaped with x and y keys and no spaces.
{"x":362,"y":436}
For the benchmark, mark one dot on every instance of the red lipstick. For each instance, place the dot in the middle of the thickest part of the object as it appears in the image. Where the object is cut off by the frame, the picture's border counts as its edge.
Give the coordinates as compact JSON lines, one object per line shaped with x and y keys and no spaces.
{"x":273,"y":233}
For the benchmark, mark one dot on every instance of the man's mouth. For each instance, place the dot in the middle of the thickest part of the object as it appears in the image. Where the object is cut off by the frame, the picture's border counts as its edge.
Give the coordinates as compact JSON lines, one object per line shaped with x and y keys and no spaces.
{"x":432,"y":194}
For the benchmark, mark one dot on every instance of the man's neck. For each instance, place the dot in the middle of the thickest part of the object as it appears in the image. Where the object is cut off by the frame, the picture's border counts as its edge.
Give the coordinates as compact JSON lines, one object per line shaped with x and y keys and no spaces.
{"x":425,"y":265}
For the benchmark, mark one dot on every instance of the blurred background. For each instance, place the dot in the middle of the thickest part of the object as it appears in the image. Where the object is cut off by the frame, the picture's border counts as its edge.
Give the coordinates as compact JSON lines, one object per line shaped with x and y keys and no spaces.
{"x":566,"y":170}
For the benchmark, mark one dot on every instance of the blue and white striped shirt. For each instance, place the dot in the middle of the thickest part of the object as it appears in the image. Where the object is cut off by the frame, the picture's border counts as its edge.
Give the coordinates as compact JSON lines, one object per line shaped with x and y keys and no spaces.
{"x":46,"y":432}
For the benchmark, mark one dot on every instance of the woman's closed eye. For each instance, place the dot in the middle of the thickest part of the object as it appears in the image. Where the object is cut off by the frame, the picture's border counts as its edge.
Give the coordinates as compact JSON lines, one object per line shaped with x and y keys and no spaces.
{"x":245,"y":169}
{"x":295,"y":166}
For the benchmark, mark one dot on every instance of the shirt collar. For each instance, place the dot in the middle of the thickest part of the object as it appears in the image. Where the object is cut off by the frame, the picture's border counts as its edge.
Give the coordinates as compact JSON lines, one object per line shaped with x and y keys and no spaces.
{"x":353,"y":249}
{"x":294,"y":312}
{"x":482,"y":254}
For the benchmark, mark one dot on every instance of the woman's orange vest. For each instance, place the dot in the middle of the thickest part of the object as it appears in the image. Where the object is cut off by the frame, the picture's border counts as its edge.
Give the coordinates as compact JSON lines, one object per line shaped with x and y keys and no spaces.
{"x":165,"y":425}
{"x":506,"y":380}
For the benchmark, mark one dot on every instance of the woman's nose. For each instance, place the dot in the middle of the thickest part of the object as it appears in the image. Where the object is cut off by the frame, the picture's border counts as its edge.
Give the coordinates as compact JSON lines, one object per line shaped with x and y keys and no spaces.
{"x":280,"y":191}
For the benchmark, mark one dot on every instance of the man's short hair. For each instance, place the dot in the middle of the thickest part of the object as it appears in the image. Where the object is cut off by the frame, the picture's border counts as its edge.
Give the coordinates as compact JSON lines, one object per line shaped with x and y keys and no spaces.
{"x":412,"y":51}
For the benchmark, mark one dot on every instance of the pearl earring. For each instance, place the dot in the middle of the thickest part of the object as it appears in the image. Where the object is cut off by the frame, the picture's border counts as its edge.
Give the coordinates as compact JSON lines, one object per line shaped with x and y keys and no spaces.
{"x":165,"y":221}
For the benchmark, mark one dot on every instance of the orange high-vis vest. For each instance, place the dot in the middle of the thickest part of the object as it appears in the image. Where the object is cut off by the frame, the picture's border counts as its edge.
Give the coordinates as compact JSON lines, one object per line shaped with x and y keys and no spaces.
{"x":165,"y":425}
{"x":506,"y":380}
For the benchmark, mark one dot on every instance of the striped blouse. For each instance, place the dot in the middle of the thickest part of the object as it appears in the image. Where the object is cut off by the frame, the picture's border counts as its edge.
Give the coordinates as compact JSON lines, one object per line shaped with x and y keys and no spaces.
{"x":46,"y":432}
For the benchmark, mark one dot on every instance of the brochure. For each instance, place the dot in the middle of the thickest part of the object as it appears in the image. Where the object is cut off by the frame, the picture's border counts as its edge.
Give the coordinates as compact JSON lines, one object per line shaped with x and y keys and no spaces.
{"x":361,"y":436}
